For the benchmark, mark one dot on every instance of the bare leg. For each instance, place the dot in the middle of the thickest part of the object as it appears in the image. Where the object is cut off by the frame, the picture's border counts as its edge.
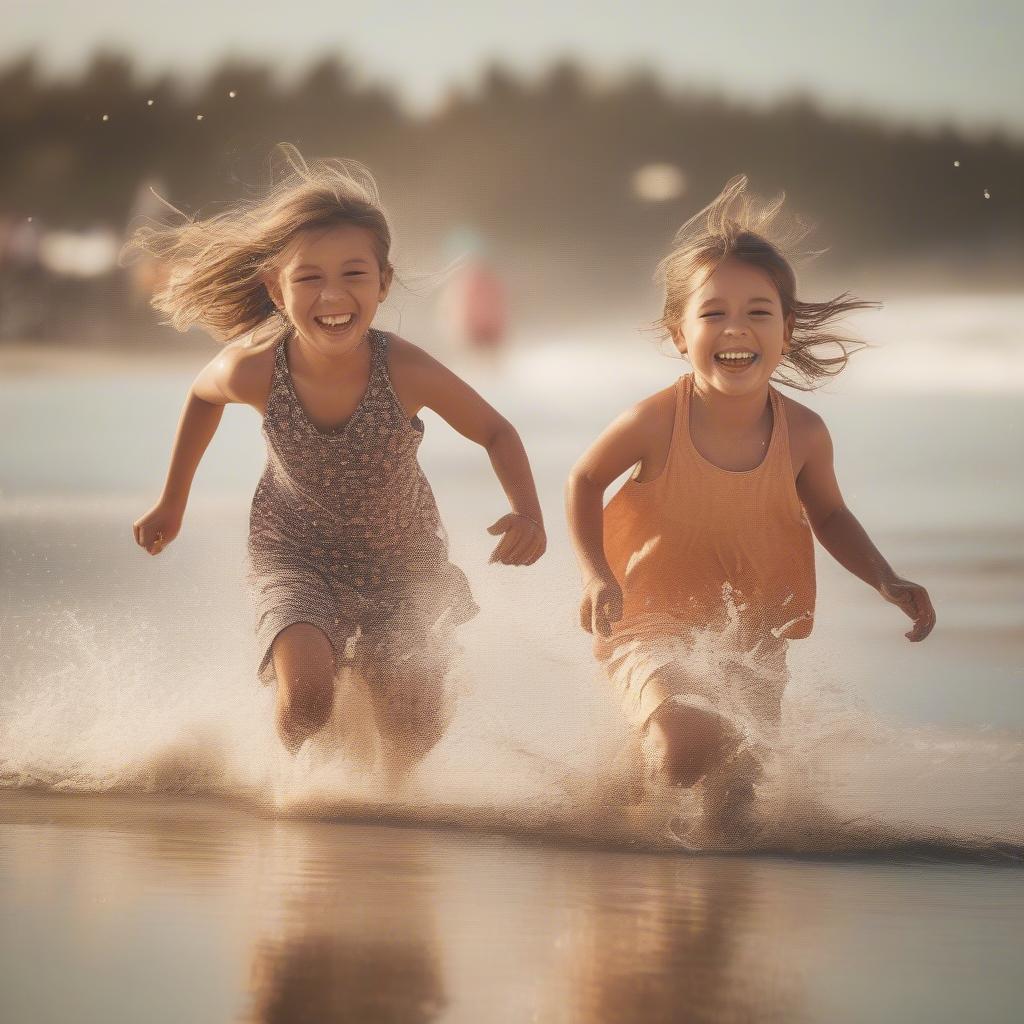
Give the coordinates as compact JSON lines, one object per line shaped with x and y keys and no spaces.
{"x":305,"y":665}
{"x":352,"y":729}
{"x":412,"y":708}
{"x":730,"y":788}
{"x":676,"y":743}
{"x":684,"y":742}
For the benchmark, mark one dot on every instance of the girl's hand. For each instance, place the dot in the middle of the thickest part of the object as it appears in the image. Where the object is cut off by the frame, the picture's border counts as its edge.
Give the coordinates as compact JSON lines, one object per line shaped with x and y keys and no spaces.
{"x":601,"y":605}
{"x":914,"y":601}
{"x":158,"y":527}
{"x":524,"y":540}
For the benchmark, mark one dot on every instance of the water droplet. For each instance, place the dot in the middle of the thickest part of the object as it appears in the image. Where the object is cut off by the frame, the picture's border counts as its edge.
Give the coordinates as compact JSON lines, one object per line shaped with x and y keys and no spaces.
{"x":105,"y":117}
{"x":987,"y":194}
{"x":232,"y":94}
{"x":956,"y":163}
{"x":199,"y":117}
{"x":149,"y":103}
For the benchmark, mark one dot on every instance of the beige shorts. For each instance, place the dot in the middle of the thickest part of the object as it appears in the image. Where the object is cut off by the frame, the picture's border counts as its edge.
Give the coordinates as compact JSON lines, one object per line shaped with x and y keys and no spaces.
{"x":743,"y":686}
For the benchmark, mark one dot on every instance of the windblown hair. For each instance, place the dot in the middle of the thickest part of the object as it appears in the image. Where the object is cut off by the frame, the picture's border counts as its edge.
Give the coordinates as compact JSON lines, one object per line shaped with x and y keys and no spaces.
{"x":741,"y":226}
{"x":217,"y":264}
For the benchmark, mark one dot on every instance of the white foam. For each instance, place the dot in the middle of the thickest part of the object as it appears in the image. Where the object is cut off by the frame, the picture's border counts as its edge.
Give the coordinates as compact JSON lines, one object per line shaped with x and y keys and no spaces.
{"x":109,"y":706}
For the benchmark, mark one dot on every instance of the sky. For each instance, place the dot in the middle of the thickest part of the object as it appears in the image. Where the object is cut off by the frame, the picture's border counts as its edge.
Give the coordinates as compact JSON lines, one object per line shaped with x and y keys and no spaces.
{"x":909,"y":62}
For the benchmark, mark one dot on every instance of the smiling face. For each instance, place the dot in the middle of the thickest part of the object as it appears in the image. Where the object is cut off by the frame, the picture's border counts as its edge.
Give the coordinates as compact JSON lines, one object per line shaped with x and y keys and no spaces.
{"x":330,"y":284}
{"x":733,"y":330}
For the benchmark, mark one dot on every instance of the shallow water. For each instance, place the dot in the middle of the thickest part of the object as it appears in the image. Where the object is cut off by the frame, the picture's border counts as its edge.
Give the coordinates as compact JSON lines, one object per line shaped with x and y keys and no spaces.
{"x":125,"y":675}
{"x":163,"y":909}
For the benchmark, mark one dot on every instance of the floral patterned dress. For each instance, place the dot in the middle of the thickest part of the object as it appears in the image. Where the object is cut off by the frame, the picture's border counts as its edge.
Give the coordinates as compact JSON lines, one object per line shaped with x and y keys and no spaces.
{"x":344,"y":532}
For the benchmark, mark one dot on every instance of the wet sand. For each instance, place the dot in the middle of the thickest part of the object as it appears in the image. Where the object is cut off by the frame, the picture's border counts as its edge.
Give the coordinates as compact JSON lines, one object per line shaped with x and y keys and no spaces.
{"x":169,"y":909}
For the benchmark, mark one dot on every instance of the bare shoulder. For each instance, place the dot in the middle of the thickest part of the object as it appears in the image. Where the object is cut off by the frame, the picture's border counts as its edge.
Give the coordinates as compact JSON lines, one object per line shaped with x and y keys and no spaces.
{"x":241,"y":372}
{"x":416,"y":376}
{"x":640,"y":435}
{"x":807,"y":432}
{"x":653,"y":422}
{"x":651,"y":418}
{"x":656,"y":412}
{"x":404,"y":356}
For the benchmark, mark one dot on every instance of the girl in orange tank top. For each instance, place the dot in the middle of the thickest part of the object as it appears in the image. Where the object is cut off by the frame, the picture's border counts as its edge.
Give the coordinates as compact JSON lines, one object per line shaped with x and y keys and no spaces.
{"x":676,"y":541}
{"x":700,"y":571}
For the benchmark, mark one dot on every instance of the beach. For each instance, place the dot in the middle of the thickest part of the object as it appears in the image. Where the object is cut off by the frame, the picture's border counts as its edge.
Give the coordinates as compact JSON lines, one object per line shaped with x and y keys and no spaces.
{"x":158,"y":862}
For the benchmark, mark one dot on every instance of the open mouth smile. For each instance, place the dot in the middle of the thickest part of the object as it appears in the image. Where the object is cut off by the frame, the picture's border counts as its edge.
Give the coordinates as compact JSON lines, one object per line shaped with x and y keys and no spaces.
{"x":736,"y":359}
{"x":335,"y":323}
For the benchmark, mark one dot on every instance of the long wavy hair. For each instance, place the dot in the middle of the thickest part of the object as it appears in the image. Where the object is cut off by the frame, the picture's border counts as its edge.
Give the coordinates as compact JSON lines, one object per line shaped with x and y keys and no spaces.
{"x":737,"y":225}
{"x":217,"y":265}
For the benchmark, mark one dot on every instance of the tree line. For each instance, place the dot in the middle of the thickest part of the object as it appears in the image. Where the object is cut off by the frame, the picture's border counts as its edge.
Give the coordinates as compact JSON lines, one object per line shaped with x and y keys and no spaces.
{"x":540,"y":168}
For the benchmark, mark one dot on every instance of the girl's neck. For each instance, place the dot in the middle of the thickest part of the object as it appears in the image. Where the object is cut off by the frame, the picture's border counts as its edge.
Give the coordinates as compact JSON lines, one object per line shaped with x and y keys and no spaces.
{"x":305,"y":360}
{"x":731,"y":414}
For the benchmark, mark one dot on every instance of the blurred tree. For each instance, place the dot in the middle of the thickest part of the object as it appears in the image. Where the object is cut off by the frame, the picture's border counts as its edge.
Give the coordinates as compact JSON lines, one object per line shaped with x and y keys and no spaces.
{"x":542,"y":169}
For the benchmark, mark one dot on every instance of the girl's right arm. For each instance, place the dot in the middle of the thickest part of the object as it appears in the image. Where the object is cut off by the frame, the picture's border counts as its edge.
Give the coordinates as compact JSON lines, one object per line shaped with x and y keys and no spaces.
{"x":640,"y":435}
{"x":234,"y":375}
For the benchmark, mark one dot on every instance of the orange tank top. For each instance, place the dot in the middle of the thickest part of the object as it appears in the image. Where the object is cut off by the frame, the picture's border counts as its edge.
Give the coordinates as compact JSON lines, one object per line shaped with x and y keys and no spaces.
{"x":699,"y":545}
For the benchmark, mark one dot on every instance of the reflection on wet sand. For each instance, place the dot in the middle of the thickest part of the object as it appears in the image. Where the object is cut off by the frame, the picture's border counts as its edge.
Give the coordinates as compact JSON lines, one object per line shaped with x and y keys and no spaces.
{"x":167,"y":909}
{"x":354,"y":939}
{"x":355,"y":932}
{"x":289,"y":920}
{"x":678,"y":943}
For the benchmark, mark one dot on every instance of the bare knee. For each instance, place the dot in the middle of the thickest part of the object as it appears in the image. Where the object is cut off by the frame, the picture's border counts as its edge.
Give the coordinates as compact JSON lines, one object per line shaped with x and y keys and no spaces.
{"x":683,"y":742}
{"x":305,"y":667}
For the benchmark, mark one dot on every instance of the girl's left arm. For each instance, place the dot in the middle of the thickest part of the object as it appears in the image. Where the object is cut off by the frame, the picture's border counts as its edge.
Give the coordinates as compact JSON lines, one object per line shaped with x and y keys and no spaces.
{"x":843,"y":537}
{"x":424,"y":382}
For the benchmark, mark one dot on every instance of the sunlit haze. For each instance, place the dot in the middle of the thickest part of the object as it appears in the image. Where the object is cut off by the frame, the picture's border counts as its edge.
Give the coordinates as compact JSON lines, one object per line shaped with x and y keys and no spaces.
{"x":930,"y":63}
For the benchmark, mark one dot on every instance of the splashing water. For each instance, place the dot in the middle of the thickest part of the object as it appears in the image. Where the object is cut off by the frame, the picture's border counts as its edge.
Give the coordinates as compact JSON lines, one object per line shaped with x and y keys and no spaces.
{"x":107,"y":706}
